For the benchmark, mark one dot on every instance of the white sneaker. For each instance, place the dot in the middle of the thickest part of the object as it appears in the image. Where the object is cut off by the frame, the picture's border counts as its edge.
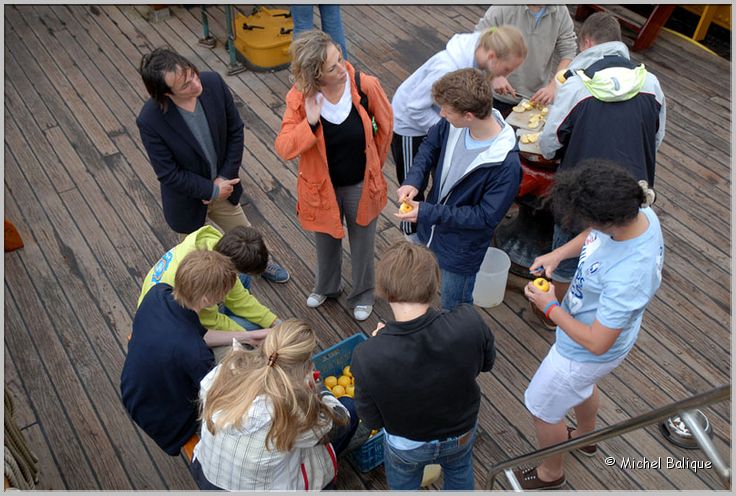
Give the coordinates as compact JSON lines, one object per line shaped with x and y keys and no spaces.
{"x":362,"y":312}
{"x":315,"y":300}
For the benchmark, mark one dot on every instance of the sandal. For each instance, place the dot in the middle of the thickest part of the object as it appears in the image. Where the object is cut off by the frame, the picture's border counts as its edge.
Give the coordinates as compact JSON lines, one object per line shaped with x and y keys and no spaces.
{"x":589,"y":450}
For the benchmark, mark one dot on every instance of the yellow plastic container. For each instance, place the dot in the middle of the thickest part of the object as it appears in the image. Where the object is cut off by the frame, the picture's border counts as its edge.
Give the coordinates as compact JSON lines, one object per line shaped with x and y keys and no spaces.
{"x":263,"y":38}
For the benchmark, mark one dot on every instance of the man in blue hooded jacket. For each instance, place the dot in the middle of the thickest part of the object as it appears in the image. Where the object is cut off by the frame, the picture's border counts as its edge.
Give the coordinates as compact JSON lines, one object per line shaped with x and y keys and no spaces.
{"x":475,"y":159}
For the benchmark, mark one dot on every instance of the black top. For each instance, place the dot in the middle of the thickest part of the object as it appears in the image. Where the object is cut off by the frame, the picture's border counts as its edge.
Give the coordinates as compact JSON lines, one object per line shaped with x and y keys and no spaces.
{"x":167,"y":358}
{"x":345,"y":145}
{"x":417,"y":378}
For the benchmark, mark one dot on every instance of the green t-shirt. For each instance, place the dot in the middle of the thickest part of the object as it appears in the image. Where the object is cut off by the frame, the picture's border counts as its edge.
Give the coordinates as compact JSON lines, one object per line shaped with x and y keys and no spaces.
{"x":238,"y":300}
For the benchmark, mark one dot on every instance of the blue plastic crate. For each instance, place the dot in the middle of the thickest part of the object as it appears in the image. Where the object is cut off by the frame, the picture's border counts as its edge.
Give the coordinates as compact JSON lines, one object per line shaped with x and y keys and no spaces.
{"x":331,"y":362}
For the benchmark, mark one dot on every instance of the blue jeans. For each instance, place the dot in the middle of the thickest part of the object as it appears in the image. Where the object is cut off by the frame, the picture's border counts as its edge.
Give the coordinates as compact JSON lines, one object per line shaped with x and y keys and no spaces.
{"x":331,"y":22}
{"x":455,"y":289}
{"x":242,"y":322}
{"x":566,"y":269}
{"x":405,"y":468}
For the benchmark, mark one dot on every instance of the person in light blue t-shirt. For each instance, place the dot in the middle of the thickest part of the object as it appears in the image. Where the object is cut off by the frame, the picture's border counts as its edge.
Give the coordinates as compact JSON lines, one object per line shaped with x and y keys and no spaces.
{"x":621,"y":253}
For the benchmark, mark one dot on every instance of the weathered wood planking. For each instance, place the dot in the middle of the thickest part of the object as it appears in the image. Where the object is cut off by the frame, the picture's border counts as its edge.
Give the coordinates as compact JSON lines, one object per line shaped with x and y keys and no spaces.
{"x":72,"y":94}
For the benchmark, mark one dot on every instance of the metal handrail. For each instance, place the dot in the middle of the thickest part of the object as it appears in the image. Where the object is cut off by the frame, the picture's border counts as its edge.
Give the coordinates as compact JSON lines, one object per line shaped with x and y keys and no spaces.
{"x":703,"y":399}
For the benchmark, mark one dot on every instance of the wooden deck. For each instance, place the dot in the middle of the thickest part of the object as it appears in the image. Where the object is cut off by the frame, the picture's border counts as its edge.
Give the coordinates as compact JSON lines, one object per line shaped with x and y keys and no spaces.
{"x":79,"y":187}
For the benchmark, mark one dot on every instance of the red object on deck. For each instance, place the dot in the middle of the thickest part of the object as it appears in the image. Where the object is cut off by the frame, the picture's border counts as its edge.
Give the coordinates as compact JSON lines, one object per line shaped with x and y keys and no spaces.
{"x":12,"y":237}
{"x":535,"y":181}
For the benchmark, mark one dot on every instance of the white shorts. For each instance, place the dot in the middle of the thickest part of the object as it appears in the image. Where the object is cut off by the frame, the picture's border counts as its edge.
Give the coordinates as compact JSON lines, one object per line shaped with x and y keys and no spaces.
{"x":560,"y":384}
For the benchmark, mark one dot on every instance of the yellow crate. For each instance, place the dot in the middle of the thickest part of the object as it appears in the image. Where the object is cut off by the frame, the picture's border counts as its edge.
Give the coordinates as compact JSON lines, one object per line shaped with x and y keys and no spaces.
{"x":264,"y":37}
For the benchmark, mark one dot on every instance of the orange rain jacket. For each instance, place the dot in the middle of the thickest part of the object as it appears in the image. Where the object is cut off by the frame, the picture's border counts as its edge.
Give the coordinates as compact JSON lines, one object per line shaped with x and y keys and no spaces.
{"x":316,"y":205}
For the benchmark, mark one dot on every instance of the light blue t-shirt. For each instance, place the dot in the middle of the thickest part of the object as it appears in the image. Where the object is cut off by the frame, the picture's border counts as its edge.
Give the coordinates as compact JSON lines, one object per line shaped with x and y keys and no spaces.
{"x":614,"y":282}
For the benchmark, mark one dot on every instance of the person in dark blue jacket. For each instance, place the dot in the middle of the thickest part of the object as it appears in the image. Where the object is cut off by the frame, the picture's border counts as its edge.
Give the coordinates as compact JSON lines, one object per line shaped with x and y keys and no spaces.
{"x":193,"y":135}
{"x":167,"y":354}
{"x":473,"y":155}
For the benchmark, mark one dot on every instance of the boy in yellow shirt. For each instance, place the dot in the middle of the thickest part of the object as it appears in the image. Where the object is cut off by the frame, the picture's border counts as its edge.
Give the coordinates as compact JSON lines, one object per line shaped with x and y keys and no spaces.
{"x":243,"y":313}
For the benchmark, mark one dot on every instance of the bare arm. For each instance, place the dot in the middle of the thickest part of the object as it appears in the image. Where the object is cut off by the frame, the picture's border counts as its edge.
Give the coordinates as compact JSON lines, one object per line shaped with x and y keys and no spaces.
{"x":215,"y":338}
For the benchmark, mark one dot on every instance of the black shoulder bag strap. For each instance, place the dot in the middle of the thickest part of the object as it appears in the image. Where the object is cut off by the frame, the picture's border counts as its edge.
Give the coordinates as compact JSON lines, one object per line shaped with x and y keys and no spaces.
{"x":364,"y":100}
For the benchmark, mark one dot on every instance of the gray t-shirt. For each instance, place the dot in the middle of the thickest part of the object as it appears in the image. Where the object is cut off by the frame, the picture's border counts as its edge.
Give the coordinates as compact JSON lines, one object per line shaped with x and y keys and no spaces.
{"x":197,"y":124}
{"x":466,"y":149}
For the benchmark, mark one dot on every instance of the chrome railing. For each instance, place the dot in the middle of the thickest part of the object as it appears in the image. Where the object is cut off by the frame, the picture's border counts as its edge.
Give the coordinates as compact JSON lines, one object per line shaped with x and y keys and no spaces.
{"x":682,"y":407}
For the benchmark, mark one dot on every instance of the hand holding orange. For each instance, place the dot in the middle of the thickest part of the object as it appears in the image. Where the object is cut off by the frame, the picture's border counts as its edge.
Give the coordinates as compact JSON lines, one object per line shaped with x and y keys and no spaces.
{"x":405,"y":207}
{"x":541,"y":283}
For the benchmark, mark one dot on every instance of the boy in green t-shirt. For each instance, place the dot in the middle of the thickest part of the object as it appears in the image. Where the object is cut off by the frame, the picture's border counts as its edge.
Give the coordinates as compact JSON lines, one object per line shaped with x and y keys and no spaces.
{"x":244,"y":317}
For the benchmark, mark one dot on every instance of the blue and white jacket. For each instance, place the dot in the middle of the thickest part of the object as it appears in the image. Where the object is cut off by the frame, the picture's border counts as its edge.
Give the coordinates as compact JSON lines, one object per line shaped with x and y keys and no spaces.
{"x":616,"y":112}
{"x":459,"y":226}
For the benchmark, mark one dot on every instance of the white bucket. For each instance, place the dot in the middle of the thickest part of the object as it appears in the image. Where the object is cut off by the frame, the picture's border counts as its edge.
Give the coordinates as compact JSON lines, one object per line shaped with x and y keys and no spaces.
{"x":490,"y":283}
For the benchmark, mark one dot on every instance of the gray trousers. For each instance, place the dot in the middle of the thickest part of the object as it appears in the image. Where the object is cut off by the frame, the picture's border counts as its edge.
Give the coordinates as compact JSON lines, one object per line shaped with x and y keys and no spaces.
{"x":362,"y":242}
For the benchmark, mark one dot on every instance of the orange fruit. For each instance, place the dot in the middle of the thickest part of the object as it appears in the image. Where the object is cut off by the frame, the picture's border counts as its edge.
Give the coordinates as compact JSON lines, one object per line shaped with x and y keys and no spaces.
{"x":350,"y":391}
{"x":541,"y":283}
{"x":344,"y":381}
{"x":338,"y":391}
{"x":405,"y":207}
{"x":330,"y":381}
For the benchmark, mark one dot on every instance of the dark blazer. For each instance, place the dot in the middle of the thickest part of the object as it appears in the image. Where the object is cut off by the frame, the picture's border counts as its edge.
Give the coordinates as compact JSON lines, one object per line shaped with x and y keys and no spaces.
{"x":167,"y":358}
{"x":179,"y":161}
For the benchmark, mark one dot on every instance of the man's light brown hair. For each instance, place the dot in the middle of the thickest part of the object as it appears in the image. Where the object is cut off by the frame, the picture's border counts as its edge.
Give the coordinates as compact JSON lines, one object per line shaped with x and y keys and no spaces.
{"x":600,"y":27}
{"x":407,"y":273}
{"x":465,"y":90}
{"x":203,"y":276}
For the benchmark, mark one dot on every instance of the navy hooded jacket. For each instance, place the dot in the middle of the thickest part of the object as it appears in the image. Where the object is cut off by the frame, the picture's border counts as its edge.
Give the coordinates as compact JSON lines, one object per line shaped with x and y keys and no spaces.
{"x":459,"y":226}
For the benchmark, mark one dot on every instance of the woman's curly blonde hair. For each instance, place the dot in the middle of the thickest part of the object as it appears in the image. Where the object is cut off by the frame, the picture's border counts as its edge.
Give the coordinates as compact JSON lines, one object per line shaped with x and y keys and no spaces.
{"x":308,"y":54}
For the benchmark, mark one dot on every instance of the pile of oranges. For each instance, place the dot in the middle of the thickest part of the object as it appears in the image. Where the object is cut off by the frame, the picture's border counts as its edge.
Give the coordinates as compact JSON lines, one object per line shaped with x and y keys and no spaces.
{"x":343,"y":385}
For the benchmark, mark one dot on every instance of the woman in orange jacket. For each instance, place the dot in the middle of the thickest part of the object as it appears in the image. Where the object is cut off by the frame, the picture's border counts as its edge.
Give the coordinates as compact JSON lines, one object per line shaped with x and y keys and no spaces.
{"x":341,"y":155}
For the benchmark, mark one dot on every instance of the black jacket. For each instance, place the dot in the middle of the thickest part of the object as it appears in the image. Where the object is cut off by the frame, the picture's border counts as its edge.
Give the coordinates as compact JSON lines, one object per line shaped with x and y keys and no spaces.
{"x":167,"y":358}
{"x":417,"y":378}
{"x":180,"y":163}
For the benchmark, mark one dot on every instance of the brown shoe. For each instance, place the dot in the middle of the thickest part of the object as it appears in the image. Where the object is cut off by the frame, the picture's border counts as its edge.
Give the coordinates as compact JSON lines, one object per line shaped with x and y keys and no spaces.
{"x":530,"y":481}
{"x":548,"y":324}
{"x":589,"y":450}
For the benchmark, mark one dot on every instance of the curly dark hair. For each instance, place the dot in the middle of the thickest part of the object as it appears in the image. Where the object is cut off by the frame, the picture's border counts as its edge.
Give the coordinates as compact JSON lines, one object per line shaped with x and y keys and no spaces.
{"x":597,"y":193}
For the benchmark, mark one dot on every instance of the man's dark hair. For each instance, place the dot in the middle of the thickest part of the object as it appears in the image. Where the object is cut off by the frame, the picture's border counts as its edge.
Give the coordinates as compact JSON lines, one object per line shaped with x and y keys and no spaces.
{"x":245,"y":247}
{"x":596,"y":193}
{"x":465,"y":90}
{"x":153,"y":69}
{"x":600,"y":27}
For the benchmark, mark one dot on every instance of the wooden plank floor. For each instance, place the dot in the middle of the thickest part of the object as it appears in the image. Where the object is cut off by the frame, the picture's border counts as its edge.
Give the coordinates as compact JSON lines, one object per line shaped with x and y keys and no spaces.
{"x":80,"y":189}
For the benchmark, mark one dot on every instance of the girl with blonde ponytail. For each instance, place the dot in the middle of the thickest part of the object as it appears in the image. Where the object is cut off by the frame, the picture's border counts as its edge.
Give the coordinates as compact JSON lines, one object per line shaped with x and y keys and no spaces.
{"x":265,"y":423}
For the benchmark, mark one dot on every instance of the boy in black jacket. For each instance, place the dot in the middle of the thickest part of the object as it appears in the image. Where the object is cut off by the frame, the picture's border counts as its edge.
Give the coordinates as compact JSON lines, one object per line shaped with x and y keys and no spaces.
{"x":416,"y":379}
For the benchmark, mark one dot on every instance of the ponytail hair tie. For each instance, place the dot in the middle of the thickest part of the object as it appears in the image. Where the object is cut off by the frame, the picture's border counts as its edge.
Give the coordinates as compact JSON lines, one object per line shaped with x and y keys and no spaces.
{"x":272,"y":359}
{"x":649,"y":195}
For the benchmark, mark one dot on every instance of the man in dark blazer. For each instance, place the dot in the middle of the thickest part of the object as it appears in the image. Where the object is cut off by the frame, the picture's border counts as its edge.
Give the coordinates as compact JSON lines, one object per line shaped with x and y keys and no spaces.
{"x":193,"y":135}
